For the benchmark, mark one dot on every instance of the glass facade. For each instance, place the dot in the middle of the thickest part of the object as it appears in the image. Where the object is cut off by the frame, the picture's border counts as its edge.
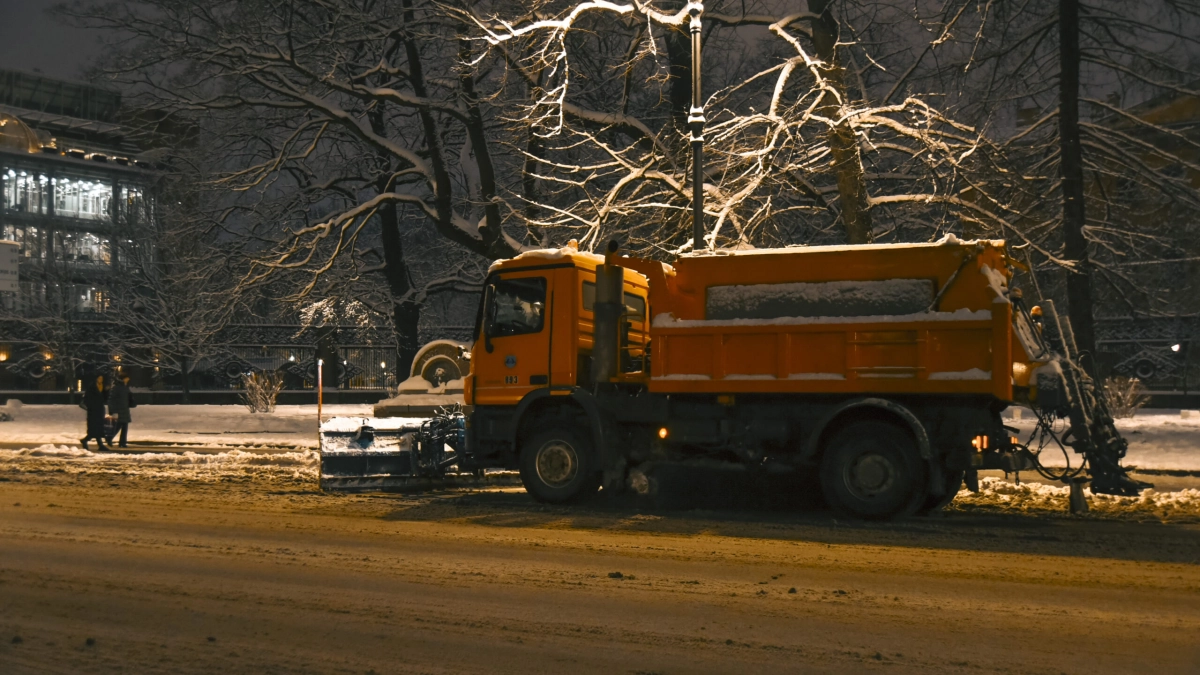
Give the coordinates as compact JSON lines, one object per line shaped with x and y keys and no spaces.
{"x":62,"y":220}
{"x":82,"y":247}
{"x":82,"y":198}
{"x":32,"y":240}
{"x":25,"y":192}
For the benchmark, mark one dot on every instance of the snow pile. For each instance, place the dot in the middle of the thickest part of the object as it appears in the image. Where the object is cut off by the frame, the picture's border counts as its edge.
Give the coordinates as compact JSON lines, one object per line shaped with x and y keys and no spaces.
{"x":233,"y":465}
{"x":8,"y":411}
{"x":1040,"y":499}
{"x":826,"y":298}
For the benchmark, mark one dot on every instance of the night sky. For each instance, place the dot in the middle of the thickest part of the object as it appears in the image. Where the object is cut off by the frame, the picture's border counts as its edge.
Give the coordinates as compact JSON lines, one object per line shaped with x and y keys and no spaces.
{"x":31,"y":40}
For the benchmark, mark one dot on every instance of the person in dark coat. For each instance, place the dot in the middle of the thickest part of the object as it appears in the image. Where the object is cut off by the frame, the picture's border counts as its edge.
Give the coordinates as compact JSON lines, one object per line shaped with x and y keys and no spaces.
{"x":94,"y":400}
{"x":120,"y":400}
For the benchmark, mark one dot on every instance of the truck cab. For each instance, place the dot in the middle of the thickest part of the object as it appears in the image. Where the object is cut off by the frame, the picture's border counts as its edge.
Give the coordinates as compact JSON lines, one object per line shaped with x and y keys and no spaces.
{"x":535,"y":334}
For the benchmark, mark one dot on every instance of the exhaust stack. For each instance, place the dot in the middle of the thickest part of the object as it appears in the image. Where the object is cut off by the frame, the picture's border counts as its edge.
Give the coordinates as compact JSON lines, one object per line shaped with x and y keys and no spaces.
{"x":609,"y":310}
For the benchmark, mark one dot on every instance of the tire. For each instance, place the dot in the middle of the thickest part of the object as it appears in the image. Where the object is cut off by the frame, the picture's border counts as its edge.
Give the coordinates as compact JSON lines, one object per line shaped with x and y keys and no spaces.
{"x":872,"y":470}
{"x":954,"y":481}
{"x":559,"y":465}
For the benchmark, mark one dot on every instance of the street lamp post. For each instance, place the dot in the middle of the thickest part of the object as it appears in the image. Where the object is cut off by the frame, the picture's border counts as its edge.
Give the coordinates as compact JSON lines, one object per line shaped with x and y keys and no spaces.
{"x":695,"y":122}
{"x":320,"y":392}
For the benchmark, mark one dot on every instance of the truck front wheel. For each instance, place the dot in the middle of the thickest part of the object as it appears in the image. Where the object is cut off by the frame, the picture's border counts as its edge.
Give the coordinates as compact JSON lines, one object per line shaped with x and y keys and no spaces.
{"x":871,"y":469}
{"x":557,"y":466}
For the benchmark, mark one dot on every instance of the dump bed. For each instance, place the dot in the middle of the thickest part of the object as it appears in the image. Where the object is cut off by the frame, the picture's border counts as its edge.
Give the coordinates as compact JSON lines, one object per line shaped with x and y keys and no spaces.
{"x":922,"y":319}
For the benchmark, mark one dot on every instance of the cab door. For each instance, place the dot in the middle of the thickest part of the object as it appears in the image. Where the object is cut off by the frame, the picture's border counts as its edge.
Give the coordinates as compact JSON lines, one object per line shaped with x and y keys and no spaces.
{"x":512,"y":357}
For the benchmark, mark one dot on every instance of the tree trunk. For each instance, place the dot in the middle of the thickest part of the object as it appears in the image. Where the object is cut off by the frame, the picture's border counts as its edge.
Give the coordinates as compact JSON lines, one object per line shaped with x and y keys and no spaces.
{"x":183,"y":375}
{"x":1079,"y":280}
{"x":847,"y":158}
{"x":406,"y":313}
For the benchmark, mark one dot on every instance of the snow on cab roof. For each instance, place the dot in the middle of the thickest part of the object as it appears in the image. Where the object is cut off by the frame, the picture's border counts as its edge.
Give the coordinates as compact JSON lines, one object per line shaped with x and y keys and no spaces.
{"x":947,"y":240}
{"x":551,"y":254}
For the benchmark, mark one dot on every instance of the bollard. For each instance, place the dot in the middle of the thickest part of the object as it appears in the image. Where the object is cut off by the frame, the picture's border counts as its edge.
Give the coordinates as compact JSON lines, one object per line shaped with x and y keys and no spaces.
{"x":1078,"y":501}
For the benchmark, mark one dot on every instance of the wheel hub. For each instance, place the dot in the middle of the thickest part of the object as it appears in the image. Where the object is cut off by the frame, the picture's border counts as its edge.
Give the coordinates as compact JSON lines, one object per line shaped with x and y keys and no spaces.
{"x":870,"y":475}
{"x":557,"y":463}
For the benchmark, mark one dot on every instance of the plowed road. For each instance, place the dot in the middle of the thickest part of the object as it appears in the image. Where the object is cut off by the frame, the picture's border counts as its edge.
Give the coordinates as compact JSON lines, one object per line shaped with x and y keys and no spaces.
{"x":261,"y":577}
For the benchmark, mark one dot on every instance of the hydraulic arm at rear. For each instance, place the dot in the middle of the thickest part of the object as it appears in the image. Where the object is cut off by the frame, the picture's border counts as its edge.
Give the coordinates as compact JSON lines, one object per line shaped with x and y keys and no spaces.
{"x":1065,"y":391}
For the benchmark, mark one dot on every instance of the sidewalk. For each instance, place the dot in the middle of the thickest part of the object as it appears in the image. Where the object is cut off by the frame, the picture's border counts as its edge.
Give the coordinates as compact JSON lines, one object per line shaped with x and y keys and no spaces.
{"x":172,"y":427}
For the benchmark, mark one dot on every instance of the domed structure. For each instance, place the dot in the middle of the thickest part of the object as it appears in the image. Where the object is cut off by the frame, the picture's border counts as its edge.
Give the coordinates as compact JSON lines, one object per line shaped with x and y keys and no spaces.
{"x":15,"y":135}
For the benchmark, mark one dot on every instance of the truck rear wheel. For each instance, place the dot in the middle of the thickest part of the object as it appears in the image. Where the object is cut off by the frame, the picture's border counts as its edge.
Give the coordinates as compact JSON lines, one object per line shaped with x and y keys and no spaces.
{"x":871,"y":469}
{"x":558,"y":466}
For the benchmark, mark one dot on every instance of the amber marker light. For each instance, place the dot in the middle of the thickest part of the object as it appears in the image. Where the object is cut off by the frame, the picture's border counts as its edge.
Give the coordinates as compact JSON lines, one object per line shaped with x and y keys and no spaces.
{"x":662,"y":433}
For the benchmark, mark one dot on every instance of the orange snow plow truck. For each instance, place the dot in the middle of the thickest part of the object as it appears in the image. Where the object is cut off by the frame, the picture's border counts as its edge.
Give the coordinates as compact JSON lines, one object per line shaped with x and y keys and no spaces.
{"x":881,"y":369}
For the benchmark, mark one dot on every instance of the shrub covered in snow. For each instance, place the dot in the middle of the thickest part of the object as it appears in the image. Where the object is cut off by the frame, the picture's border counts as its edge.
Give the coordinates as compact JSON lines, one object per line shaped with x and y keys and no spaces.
{"x":8,"y":412}
{"x":1124,"y":396}
{"x":260,"y":390}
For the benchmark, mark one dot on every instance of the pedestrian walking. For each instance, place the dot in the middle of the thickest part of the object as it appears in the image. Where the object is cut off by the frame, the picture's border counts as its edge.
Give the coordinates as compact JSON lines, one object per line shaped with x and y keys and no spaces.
{"x":94,"y":401}
{"x":120,"y":400}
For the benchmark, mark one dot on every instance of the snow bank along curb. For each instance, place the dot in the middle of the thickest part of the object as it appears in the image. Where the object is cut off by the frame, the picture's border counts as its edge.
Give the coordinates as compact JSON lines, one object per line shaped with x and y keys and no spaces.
{"x":187,"y":466}
{"x":1038,"y":498}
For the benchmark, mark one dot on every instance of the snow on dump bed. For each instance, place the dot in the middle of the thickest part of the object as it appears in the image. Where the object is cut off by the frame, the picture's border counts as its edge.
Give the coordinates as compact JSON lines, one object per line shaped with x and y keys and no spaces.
{"x":822,"y":298}
{"x":230,"y":466}
{"x":564,"y":253}
{"x":1041,"y":499}
{"x":946,"y":240}
{"x":972,"y":374}
{"x":667,"y":320}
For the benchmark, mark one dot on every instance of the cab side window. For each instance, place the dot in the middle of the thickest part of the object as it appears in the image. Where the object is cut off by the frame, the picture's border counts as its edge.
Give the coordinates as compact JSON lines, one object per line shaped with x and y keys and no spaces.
{"x":517,"y":307}
{"x":635,"y":305}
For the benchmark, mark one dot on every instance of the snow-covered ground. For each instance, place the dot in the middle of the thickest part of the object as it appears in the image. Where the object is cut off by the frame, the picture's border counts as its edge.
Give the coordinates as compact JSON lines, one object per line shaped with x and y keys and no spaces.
{"x":238,"y":466}
{"x":1038,"y":498}
{"x":290,"y":426}
{"x":228,"y":443}
{"x":1158,"y":440}
{"x":205,"y":467}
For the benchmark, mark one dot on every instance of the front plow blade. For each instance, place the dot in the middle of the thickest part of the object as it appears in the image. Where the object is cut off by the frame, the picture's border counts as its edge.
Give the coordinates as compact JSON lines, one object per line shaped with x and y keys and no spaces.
{"x":399,"y":454}
{"x":361,"y":454}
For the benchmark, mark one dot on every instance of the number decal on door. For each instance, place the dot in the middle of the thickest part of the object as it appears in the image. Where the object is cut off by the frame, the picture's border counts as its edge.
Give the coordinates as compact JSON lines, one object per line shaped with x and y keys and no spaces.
{"x":510,"y":379}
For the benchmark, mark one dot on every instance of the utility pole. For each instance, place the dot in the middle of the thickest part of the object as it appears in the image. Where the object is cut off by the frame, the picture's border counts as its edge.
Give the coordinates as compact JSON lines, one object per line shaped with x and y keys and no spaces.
{"x":695,"y":121}
{"x":1079,"y":280}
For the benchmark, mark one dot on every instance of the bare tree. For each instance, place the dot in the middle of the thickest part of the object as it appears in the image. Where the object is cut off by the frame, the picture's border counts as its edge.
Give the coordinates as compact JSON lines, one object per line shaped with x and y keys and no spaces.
{"x":50,"y":313}
{"x":800,"y":143}
{"x":332,"y":128}
{"x":172,"y":290}
{"x":1082,"y":98}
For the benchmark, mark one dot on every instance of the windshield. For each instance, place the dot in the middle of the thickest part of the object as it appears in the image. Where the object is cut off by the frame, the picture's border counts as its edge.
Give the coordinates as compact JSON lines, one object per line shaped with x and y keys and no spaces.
{"x":516,"y":306}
